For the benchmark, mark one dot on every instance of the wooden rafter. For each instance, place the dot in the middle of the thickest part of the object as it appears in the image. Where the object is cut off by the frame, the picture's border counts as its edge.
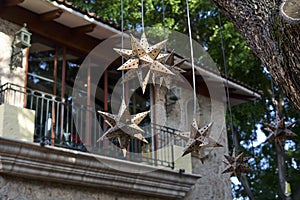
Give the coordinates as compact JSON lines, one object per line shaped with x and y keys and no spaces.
{"x":84,"y":29}
{"x":57,"y":32}
{"x":242,"y":97}
{"x":12,"y":2}
{"x":49,"y":16}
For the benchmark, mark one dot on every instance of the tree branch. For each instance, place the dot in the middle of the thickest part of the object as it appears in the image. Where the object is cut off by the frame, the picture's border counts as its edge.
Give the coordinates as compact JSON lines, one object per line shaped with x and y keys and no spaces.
{"x":297,"y":192}
{"x":281,"y":169}
{"x":289,"y":9}
{"x":272,"y":39}
{"x":246,"y":186}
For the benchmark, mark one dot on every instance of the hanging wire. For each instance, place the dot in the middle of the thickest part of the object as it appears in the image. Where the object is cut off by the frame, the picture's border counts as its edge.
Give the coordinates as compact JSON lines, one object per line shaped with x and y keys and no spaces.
{"x":192,"y":58}
{"x":226,"y":83}
{"x":164,"y":24}
{"x":274,"y":99}
{"x":122,"y":44}
{"x":143,"y":27}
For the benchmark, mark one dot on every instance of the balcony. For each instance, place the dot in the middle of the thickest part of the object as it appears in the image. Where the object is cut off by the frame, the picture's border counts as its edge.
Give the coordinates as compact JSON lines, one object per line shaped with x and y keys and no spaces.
{"x":62,"y":124}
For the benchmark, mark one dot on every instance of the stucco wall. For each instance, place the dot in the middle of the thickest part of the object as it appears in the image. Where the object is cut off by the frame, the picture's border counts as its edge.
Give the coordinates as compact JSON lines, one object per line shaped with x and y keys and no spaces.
{"x":17,"y":75}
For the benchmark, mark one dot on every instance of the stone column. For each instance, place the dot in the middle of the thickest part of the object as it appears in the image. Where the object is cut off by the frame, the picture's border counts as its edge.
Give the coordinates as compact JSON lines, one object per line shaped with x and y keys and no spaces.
{"x":212,"y":185}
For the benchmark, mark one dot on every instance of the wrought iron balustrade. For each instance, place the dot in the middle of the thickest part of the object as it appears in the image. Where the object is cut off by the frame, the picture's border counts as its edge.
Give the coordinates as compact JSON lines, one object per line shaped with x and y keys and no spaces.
{"x":63,"y":124}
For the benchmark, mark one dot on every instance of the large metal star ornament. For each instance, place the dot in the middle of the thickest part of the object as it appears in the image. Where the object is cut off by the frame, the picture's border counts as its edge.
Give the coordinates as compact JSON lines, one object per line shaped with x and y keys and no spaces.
{"x":124,"y":126}
{"x":280,"y":132}
{"x":236,"y":164}
{"x":142,"y":60}
{"x":198,"y":139}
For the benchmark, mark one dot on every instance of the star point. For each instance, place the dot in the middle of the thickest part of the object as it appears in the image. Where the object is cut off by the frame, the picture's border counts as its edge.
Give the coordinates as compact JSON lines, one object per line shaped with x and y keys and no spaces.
{"x":174,"y":67}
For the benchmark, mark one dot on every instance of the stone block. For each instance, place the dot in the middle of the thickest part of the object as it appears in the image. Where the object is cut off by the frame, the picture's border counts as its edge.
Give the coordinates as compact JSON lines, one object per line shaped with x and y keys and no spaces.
{"x":16,"y":123}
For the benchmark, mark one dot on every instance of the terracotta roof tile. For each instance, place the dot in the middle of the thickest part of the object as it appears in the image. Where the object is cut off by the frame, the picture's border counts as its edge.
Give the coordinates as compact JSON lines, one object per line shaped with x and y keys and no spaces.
{"x":87,"y":12}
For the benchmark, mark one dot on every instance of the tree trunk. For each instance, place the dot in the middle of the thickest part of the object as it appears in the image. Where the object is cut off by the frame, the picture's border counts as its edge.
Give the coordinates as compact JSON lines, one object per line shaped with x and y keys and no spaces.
{"x":272,"y":36}
{"x":297,"y":192}
{"x":246,"y":186}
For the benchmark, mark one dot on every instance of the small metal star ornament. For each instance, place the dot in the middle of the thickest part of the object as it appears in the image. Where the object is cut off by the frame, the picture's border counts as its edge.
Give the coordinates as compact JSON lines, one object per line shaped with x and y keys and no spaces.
{"x":173,"y":66}
{"x":143,"y":60}
{"x":280,"y":132}
{"x":199,"y":138}
{"x":124,"y":126}
{"x":236,"y":164}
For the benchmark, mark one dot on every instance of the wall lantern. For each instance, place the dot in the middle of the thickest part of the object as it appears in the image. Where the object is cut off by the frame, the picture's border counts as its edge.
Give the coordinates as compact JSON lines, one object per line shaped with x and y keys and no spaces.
{"x":21,"y":41}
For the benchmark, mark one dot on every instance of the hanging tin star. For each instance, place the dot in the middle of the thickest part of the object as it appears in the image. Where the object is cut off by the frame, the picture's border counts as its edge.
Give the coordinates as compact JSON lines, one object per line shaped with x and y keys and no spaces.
{"x":144,"y":60}
{"x":236,"y":164}
{"x":199,"y":138}
{"x":280,"y":132}
{"x":173,"y":66}
{"x":124,"y":126}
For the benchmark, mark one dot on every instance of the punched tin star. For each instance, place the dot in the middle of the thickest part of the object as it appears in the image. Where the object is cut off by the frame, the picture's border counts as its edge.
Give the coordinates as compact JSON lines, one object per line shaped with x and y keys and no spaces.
{"x":236,"y":164}
{"x":143,"y":60}
{"x":173,"y":66}
{"x":199,"y":138}
{"x":124,"y":126}
{"x":280,"y":132}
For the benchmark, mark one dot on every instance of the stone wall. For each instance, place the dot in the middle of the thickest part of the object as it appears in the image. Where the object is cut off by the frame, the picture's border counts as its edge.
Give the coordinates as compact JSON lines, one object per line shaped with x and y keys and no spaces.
{"x":28,"y":189}
{"x":213,"y":185}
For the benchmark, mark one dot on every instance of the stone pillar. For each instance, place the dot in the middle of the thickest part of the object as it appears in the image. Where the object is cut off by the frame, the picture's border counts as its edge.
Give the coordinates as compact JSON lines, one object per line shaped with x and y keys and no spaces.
{"x":213,"y":185}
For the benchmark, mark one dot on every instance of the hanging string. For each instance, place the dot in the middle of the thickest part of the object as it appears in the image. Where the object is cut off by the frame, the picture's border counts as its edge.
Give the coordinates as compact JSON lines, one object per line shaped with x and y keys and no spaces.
{"x":122,"y":44}
{"x":164,"y":23}
{"x":274,"y":99}
{"x":192,"y":58}
{"x":143,"y":27}
{"x":226,"y":83}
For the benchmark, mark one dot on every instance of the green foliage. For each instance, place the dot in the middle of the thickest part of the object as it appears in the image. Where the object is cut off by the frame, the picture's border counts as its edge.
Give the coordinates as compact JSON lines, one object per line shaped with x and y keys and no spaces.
{"x":241,"y":64}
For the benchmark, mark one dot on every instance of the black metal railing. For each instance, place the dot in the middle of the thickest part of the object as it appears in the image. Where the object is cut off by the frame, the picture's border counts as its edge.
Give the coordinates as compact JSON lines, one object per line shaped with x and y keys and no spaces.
{"x":61,"y":123}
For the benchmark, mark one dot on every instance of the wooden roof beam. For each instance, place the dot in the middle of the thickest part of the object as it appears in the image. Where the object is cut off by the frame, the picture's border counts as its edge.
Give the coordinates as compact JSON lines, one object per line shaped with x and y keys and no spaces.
{"x":12,"y":2}
{"x":53,"y":30}
{"x":83,"y":29}
{"x":49,"y":16}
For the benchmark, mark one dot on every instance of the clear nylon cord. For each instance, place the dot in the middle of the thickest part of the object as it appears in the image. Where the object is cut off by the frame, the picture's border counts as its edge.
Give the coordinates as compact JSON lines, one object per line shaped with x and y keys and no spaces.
{"x":122,"y":44}
{"x":192,"y":58}
{"x":143,"y":27}
{"x":227,"y":87}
